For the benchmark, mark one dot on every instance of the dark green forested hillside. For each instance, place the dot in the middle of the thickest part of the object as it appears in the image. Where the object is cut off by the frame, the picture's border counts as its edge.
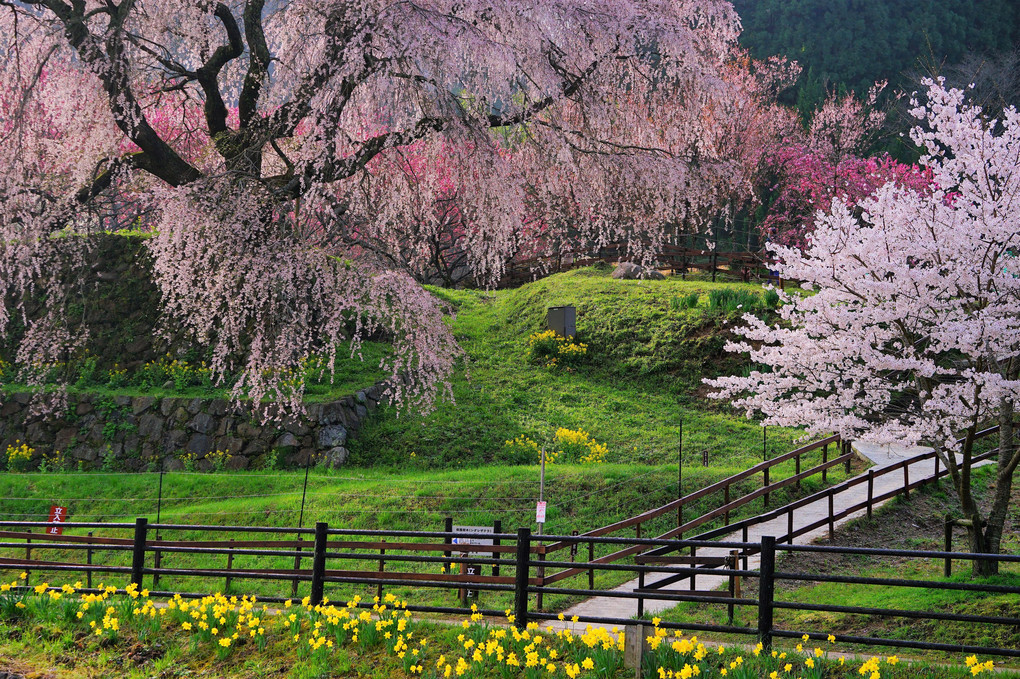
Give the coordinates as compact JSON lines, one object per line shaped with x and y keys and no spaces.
{"x":856,"y":42}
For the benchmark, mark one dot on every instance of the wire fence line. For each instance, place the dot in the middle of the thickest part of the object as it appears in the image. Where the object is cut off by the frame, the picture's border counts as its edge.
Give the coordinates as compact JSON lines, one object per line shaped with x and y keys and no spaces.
{"x":513,"y":569}
{"x":401,"y":497}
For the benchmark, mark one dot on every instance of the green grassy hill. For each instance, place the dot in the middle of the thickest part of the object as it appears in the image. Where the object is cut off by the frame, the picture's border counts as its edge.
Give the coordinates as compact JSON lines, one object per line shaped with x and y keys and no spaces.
{"x":647,"y":352}
{"x":649,"y":343}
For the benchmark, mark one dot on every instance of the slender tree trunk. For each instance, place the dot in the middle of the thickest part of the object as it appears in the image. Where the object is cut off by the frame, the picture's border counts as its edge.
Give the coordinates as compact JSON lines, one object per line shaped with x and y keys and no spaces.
{"x":1009,"y":456}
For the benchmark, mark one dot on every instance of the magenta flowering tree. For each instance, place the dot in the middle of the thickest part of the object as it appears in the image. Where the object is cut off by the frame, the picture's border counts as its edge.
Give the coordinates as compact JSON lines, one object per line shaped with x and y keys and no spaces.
{"x":913,"y":333}
{"x":255,"y":131}
{"x":798,"y":184}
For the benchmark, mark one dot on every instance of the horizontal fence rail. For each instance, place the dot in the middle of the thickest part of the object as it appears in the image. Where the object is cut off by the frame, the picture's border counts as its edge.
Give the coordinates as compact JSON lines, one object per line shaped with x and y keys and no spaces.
{"x":519,"y":560}
{"x":676,"y":258}
{"x":518,"y":569}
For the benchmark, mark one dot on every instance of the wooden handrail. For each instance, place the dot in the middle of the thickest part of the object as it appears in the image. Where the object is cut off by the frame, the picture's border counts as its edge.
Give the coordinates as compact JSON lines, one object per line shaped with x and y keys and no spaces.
{"x":697,"y":495}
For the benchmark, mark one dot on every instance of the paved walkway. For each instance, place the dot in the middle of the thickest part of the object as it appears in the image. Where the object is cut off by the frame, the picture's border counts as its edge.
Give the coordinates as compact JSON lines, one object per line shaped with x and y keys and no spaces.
{"x":881,"y":456}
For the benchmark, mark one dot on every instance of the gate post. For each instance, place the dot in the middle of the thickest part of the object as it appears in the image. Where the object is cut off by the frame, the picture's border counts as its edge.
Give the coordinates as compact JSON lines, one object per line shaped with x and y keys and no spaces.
{"x":521,"y":578}
{"x":766,"y":591}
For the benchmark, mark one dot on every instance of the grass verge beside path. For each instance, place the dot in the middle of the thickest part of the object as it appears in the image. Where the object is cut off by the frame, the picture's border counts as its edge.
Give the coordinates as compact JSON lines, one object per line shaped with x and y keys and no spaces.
{"x":638,"y":380}
{"x":914,"y":524}
{"x":60,"y":634}
{"x":580,"y":497}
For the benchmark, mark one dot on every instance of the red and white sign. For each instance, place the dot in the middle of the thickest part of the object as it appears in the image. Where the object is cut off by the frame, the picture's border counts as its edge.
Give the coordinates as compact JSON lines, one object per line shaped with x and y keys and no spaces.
{"x":540,"y":512}
{"x":57,"y":515}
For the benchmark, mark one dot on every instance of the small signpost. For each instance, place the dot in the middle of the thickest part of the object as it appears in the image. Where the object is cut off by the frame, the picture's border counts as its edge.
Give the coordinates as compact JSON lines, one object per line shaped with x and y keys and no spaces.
{"x":540,"y":512}
{"x":471,"y":568}
{"x":58,"y":515}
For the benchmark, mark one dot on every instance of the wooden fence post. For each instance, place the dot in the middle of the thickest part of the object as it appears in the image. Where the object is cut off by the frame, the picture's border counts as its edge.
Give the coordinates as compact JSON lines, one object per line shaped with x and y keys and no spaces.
{"x":448,"y":540}
{"x":871,"y":490}
{"x":636,"y":647}
{"x":825,"y":460}
{"x":726,"y":501}
{"x":906,"y":480}
{"x":88,"y":561}
{"x":947,"y":567}
{"x":641,"y":598}
{"x":743,"y":538}
{"x":28,"y":555}
{"x":230,"y":566}
{"x":297,"y":567}
{"x":138,"y":551}
{"x":766,"y":591}
{"x":497,"y":528}
{"x":694,"y":564}
{"x":382,"y":566}
{"x":731,"y":563}
{"x":318,"y":562}
{"x":521,"y":578}
{"x":832,"y":523}
{"x":591,"y":570}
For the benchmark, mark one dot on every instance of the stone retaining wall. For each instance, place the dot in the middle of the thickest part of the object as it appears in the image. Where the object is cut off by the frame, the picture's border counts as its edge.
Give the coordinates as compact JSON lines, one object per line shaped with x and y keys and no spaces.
{"x":136,"y":433}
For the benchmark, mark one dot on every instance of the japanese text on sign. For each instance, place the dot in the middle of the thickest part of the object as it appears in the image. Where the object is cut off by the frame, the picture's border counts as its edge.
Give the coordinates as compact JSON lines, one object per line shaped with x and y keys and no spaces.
{"x":57,"y":515}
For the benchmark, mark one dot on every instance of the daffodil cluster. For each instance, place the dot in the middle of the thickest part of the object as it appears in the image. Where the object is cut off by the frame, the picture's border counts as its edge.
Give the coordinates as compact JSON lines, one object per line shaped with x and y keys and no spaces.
{"x":19,"y":455}
{"x":482,"y":650}
{"x":551,"y":349}
{"x":578,"y":445}
{"x":168,"y":369}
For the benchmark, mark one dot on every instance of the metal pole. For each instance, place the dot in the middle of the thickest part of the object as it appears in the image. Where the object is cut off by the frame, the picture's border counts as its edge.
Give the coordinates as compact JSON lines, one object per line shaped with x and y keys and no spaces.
{"x":304,"y":492}
{"x":680,"y":477}
{"x":497,"y":528}
{"x":159,"y":496}
{"x":947,"y":568}
{"x":541,"y":528}
{"x":541,"y":490}
{"x":159,"y":508}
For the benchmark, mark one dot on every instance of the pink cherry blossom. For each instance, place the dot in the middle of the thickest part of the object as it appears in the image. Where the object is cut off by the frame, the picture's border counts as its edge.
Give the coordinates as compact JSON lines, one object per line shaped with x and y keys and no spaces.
{"x":912,"y":334}
{"x":270,"y":145}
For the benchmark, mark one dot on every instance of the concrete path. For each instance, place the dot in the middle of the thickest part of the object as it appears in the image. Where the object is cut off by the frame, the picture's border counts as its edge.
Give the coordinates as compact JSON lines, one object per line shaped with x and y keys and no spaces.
{"x":880,"y":456}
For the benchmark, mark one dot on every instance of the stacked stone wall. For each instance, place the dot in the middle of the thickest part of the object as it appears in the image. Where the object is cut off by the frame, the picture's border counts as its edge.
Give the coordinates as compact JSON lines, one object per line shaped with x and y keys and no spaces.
{"x":143,"y":432}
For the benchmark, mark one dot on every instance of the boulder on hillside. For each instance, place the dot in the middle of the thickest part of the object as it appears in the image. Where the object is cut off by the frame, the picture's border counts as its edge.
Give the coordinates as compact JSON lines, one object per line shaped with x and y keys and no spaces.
{"x":629,"y":271}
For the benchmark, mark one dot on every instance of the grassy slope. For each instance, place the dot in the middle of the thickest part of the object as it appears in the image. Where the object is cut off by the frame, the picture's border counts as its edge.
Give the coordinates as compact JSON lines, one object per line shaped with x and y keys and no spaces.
{"x":386,"y":499}
{"x":902,"y":524}
{"x":645,"y":357}
{"x":65,"y":651}
{"x":641,"y":378}
{"x":349,"y":376}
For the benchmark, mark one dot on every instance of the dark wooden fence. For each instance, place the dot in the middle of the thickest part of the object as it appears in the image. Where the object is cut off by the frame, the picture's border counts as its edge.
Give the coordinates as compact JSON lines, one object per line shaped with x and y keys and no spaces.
{"x":516,"y":563}
{"x":332,"y":549}
{"x":675,"y":258}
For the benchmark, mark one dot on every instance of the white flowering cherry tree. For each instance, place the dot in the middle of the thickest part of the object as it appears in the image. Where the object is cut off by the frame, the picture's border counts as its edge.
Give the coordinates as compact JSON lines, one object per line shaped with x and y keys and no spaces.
{"x":256,"y":135}
{"x":911,"y":332}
